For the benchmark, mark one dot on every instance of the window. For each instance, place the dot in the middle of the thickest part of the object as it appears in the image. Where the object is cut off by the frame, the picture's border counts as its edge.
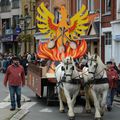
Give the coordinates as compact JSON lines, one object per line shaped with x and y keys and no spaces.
{"x":6,"y":24}
{"x":79,"y":4}
{"x":5,"y":5}
{"x":5,"y":2}
{"x":57,"y":15}
{"x":108,"y":38}
{"x":91,"y":5}
{"x":15,"y":21}
{"x":26,"y":11}
{"x":15,"y":4}
{"x":107,"y":6}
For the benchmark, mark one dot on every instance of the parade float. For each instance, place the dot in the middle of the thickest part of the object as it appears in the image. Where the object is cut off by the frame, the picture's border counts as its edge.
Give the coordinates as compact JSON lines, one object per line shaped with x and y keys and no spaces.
{"x":64,"y":40}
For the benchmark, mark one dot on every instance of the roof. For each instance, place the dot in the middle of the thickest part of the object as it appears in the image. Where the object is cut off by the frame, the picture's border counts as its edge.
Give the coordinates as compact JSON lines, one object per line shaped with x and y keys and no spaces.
{"x":96,"y":26}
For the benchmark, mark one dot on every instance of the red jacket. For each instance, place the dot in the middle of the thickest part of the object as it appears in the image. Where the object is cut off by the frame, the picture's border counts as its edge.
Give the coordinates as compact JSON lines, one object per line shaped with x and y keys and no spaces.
{"x":14,"y":75}
{"x":112,"y":77}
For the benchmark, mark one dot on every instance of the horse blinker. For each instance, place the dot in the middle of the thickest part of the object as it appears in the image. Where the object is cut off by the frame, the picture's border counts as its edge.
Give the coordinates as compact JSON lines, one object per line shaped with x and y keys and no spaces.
{"x":62,"y":68}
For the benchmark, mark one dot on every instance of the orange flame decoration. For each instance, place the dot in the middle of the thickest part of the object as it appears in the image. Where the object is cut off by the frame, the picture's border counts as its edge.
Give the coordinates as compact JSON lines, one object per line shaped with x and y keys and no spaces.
{"x":55,"y":55}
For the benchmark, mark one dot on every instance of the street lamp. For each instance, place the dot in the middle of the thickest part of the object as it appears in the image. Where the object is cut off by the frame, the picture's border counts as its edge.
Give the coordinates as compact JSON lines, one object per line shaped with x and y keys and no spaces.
{"x":24,"y":22}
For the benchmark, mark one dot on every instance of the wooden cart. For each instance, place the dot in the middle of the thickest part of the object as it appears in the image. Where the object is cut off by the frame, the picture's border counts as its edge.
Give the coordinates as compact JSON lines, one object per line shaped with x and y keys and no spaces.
{"x":38,"y":79}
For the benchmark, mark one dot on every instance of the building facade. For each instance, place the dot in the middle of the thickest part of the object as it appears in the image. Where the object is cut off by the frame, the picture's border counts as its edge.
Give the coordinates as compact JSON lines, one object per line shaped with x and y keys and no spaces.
{"x":103,"y":45}
{"x":115,"y":26}
{"x":108,"y":15}
{"x":10,"y":10}
{"x":103,"y":35}
{"x":28,"y":26}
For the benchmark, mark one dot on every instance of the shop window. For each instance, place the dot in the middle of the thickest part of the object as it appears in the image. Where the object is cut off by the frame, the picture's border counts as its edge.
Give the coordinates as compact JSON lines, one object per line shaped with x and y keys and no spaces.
{"x":108,"y":38}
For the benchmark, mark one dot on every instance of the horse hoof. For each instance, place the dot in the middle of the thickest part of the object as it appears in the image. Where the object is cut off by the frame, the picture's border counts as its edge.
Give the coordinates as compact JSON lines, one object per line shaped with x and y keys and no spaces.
{"x":88,"y":111}
{"x":102,"y":114}
{"x":98,"y":118}
{"x":62,"y":111}
{"x":72,"y":118}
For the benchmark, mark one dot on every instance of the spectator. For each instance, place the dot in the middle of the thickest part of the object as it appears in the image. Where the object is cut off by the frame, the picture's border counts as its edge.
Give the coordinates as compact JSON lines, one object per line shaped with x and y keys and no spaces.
{"x":24,"y":63}
{"x":33,"y":57}
{"x":5,"y":64}
{"x":15,"y":78}
{"x":29,"y":57}
{"x":112,"y":79}
{"x":118,"y":86}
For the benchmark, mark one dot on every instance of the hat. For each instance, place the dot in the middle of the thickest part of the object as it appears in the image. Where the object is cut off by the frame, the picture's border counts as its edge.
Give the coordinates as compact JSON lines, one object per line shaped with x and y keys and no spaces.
{"x":15,"y":58}
{"x":109,"y":62}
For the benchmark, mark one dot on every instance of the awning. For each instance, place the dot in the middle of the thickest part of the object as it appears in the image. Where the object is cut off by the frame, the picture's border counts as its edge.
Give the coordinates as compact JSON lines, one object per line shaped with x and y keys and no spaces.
{"x":90,"y":37}
{"x":41,"y":37}
{"x":9,"y":38}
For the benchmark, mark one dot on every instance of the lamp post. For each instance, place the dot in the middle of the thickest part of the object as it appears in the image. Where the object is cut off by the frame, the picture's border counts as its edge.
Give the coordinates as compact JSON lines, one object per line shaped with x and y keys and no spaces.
{"x":25,"y":21}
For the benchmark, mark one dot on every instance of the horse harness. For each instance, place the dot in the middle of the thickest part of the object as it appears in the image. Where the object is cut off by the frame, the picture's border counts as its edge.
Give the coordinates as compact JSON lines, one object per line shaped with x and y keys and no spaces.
{"x":94,"y":80}
{"x":72,"y":80}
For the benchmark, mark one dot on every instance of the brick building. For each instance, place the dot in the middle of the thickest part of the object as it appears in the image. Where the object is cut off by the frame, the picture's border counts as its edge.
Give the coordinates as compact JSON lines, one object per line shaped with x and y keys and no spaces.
{"x":100,"y":34}
{"x":107,"y":10}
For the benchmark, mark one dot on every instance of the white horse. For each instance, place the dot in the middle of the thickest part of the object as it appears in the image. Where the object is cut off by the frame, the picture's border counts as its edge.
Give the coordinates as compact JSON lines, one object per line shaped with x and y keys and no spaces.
{"x":96,"y":85}
{"x":68,"y":81}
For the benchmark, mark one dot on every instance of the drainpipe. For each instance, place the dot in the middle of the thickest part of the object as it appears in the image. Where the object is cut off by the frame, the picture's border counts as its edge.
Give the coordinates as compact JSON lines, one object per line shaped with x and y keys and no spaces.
{"x":100,"y":29}
{"x":50,"y":6}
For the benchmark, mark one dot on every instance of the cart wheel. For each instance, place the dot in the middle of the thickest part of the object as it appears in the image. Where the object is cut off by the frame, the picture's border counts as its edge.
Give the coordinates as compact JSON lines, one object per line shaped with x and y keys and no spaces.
{"x":37,"y":96}
{"x":48,"y":102}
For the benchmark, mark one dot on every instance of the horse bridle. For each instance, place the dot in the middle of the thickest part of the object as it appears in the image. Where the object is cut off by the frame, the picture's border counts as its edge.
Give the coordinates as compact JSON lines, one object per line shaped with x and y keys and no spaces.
{"x":72,"y":80}
{"x":70,"y":75}
{"x":94,"y":80}
{"x":94,"y":66}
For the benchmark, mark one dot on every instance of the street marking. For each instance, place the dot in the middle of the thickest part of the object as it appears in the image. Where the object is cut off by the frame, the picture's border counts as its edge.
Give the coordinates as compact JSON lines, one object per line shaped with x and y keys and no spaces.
{"x":78,"y":109}
{"x":46,"y":110}
{"x":20,"y":114}
{"x":28,"y":105}
{"x":7,"y":99}
{"x":4,"y":104}
{"x":117,"y":104}
{"x":23,"y":98}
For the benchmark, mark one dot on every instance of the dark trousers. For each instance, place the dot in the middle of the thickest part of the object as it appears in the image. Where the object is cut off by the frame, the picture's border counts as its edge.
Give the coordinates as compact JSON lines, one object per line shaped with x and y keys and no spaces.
{"x":110,"y":97}
{"x":15,"y":90}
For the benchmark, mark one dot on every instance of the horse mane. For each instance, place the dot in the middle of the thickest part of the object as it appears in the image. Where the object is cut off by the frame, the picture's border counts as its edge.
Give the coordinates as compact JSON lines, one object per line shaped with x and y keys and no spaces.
{"x":70,"y":60}
{"x":100,"y":63}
